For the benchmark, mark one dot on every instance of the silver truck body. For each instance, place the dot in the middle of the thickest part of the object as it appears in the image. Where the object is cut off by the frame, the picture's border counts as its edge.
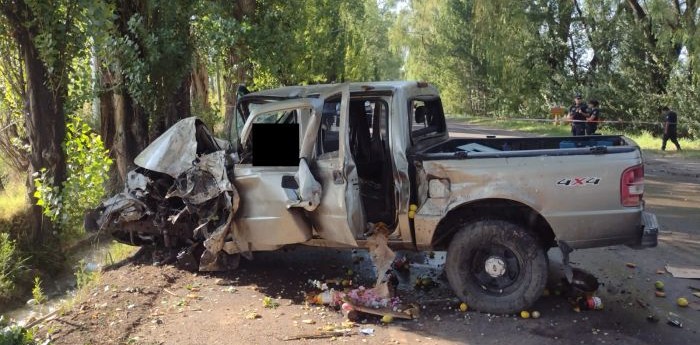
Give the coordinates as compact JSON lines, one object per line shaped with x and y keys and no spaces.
{"x":583,"y":215}
{"x":359,"y":164}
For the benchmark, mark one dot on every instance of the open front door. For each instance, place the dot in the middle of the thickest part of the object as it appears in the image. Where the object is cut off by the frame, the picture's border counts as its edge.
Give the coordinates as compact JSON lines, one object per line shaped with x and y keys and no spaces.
{"x":340,"y":216}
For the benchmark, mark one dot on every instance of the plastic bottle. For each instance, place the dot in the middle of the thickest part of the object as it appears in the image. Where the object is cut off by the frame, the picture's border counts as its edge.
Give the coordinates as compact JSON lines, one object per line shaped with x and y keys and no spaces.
{"x":590,"y":303}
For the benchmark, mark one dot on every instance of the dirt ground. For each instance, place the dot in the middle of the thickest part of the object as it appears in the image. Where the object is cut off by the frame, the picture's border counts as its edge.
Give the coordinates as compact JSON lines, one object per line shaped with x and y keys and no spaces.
{"x":145,"y":304}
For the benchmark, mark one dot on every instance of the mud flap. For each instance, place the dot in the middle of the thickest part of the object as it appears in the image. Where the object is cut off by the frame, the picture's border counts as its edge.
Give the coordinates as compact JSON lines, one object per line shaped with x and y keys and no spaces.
{"x":565,"y":251}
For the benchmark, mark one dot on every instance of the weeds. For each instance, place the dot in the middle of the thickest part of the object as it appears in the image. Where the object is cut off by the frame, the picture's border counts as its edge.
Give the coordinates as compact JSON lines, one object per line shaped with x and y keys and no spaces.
{"x":83,"y":276}
{"x":38,"y":292}
{"x":10,"y":264}
{"x":16,"y":335}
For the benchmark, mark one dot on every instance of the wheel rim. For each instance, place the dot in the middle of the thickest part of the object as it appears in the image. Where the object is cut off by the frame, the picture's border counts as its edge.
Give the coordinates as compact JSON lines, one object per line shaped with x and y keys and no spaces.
{"x":495,"y":268}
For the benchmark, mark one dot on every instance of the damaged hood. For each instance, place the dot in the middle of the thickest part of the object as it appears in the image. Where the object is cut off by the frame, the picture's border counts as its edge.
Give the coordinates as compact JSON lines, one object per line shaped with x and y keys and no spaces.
{"x":174,"y":151}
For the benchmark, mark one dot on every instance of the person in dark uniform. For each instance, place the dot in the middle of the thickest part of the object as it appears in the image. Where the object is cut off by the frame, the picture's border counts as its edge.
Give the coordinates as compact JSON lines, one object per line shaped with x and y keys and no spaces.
{"x":593,"y":117}
{"x":670,"y":128}
{"x":577,"y":115}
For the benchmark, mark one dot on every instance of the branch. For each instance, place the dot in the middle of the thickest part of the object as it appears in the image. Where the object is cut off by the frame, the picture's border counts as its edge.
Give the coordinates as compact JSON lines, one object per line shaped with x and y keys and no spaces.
{"x":637,"y":9}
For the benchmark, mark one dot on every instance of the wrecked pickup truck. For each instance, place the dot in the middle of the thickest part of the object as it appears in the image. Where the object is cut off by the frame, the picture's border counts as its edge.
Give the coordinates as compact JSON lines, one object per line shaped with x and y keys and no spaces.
{"x":324,"y":165}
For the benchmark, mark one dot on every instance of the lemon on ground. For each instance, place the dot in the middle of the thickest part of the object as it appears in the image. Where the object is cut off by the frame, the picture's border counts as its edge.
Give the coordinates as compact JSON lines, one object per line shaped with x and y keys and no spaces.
{"x":387,"y":319}
{"x":413,"y":207}
{"x":682,"y":302}
{"x":463,"y":307}
{"x":659,"y":285}
{"x":525,"y":314}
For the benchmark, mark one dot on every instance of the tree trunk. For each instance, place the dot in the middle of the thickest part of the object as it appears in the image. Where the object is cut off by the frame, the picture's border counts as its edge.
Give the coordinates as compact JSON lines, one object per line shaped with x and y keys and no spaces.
{"x":200,"y":86}
{"x":131,"y":130}
{"x":177,"y":107}
{"x":46,"y":128}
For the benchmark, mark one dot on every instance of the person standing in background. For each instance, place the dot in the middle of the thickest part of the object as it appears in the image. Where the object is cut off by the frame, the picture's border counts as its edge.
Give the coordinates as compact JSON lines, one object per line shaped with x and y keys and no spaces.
{"x":577,"y":115}
{"x":593,"y":117}
{"x":670,"y":128}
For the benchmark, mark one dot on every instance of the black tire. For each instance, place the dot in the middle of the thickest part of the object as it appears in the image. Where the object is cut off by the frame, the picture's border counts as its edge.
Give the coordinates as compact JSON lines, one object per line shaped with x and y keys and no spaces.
{"x":496,"y":266}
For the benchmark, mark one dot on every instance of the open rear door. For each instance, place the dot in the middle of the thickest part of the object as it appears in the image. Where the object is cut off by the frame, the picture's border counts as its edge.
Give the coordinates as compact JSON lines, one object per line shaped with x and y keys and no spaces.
{"x":340,"y":216}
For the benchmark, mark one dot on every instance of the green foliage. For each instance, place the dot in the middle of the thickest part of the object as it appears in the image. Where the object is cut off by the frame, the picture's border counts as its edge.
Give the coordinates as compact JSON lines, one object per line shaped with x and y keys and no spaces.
{"x":13,"y":137}
{"x":38,"y":292}
{"x":87,"y":166}
{"x":153,"y":52}
{"x":10,"y":264}
{"x":83,"y":276}
{"x":521,"y":58}
{"x":16,"y":335}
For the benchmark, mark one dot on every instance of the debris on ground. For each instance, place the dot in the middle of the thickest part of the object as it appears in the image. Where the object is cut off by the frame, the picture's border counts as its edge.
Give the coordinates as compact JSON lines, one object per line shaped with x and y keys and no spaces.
{"x":631,"y":265}
{"x":322,"y":334}
{"x":382,"y":256}
{"x":674,"y":320}
{"x":687,"y":272}
{"x":367,"y":331}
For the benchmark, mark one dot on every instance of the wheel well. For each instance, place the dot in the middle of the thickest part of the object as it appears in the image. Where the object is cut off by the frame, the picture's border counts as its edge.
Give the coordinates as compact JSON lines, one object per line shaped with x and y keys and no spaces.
{"x":502,"y":209}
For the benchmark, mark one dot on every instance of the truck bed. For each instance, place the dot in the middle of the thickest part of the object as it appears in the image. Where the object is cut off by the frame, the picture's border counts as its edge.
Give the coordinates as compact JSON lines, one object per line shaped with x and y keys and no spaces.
{"x":462,"y":148}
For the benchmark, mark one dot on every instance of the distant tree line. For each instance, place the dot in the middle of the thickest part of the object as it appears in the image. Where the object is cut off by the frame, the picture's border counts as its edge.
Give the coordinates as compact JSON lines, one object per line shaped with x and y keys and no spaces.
{"x":519,"y":58}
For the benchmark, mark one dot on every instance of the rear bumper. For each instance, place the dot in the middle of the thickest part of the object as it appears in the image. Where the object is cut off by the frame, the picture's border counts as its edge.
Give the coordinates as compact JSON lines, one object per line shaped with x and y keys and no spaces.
{"x":648,"y":234}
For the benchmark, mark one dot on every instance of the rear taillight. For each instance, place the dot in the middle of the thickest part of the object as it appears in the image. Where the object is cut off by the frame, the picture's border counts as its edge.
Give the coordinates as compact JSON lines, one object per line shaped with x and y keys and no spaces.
{"x":632,"y":186}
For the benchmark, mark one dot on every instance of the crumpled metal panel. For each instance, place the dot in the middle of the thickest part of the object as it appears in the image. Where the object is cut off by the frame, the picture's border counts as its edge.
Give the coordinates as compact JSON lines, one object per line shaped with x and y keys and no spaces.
{"x":205,"y":180}
{"x":136,"y":181}
{"x":125,"y":206}
{"x":173,"y":152}
{"x":179,"y":198}
{"x":309,"y":189}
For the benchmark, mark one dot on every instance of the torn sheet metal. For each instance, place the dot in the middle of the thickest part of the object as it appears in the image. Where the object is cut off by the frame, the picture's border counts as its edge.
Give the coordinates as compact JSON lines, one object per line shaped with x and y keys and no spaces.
{"x":382,"y":256}
{"x":205,"y":180}
{"x":173,"y":152}
{"x":309,"y":191}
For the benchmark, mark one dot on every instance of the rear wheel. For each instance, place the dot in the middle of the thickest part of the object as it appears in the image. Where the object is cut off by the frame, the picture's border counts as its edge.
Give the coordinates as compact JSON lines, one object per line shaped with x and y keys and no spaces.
{"x":496,"y":266}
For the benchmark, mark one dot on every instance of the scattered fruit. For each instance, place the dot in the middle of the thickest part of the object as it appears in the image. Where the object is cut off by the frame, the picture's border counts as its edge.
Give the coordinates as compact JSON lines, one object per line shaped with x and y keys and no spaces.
{"x":660,"y":293}
{"x":525,"y":314}
{"x":659,"y":285}
{"x":411,"y":214}
{"x":387,"y":319}
{"x":463,"y":307}
{"x":631,"y":265}
{"x":535,"y":314}
{"x":682,"y":302}
{"x":413,"y":207}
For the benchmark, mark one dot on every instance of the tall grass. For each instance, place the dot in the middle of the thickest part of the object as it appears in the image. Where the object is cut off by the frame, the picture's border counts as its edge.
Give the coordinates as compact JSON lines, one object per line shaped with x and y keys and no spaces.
{"x":12,"y":199}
